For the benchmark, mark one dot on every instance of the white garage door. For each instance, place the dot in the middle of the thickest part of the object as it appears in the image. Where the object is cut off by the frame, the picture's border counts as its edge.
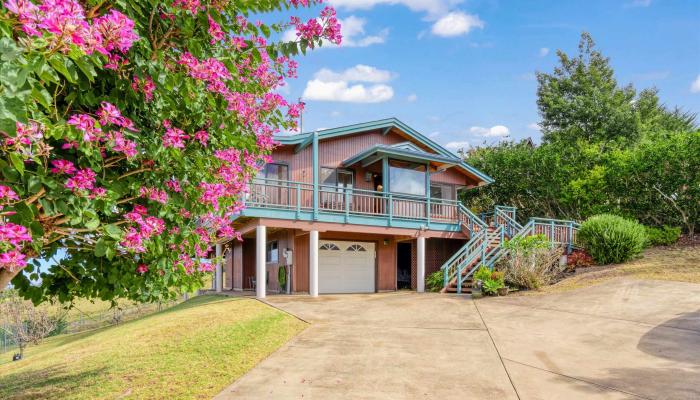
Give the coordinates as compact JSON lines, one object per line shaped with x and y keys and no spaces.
{"x":345,"y":267}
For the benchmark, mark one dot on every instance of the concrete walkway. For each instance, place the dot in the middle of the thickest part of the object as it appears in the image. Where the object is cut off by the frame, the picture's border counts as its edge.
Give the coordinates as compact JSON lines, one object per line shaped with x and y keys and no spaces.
{"x":620,"y":340}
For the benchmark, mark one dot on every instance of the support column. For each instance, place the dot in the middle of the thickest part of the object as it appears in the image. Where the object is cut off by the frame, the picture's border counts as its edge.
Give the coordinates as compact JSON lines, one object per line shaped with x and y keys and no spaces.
{"x":420,"y":265}
{"x":219,"y":270}
{"x":260,"y":268}
{"x":313,"y":263}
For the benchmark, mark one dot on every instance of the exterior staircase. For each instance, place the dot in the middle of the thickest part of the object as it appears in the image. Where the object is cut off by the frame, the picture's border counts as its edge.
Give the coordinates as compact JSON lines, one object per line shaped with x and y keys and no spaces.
{"x":487,"y":234}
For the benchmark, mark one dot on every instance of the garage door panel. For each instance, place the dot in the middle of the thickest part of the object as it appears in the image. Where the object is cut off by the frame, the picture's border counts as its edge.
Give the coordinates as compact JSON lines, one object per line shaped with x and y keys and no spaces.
{"x":345,"y":269}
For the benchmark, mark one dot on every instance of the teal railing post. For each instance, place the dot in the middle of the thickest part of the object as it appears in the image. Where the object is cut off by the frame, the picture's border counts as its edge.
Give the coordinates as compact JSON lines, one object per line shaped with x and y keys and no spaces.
{"x":551,"y":231}
{"x":428,"y":211}
{"x":569,"y":238}
{"x":315,"y":173}
{"x":390,"y":199}
{"x":347,"y":205}
{"x":298,"y":188}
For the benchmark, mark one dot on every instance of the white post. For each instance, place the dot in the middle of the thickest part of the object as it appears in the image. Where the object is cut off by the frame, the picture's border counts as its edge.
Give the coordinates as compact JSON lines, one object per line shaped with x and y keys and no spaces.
{"x":260,"y":261}
{"x":219,"y":270}
{"x":420,"y":270}
{"x":313,"y":263}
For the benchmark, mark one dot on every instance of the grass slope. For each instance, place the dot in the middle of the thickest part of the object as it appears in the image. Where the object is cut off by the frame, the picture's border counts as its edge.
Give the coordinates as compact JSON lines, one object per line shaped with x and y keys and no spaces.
{"x":676,"y":263}
{"x":192,"y":350}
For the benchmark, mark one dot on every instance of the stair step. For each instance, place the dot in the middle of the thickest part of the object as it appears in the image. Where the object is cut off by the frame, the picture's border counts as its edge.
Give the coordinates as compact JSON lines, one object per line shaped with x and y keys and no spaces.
{"x":454,"y":290}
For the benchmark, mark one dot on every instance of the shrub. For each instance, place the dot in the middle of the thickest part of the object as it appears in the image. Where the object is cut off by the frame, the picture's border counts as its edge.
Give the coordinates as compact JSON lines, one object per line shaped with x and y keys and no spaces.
{"x":531,"y":262}
{"x":527,"y":244}
{"x":664,"y":236}
{"x":435,"y":281}
{"x":579,"y":258}
{"x":612,"y":239}
{"x":482,"y":274}
{"x":491,"y":286}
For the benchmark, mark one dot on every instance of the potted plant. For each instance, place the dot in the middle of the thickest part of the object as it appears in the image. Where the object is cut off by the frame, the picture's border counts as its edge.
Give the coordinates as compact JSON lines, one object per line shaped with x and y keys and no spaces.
{"x":282,"y":278}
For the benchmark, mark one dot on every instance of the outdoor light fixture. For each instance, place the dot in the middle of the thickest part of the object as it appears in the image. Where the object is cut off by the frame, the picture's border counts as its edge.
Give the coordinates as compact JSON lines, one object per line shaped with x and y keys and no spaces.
{"x":386,"y":242}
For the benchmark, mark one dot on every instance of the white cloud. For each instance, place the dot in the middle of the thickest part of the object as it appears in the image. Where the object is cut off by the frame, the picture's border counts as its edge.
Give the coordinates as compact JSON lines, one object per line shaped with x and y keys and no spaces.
{"x":360,"y":73}
{"x":412,"y":97}
{"x":456,"y":23}
{"x":695,"y":86}
{"x":457,"y":145}
{"x":352,"y":29}
{"x":433,"y":134}
{"x":534,"y":126}
{"x":544,"y":51}
{"x":329,"y":85}
{"x":335,"y":114}
{"x":494,"y":131}
{"x":432,"y":7}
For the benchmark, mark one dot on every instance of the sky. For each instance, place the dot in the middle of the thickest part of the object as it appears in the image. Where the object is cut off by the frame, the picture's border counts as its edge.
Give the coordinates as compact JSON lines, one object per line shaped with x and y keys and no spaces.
{"x":463,"y":72}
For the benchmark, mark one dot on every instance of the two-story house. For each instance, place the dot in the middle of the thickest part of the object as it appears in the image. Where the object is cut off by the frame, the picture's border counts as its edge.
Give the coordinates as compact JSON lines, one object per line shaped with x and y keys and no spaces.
{"x":357,"y":209}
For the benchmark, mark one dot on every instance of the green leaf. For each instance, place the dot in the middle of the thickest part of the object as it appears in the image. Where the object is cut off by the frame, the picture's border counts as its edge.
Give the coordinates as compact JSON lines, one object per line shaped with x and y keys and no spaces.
{"x":34,"y":184}
{"x":65,"y":67}
{"x":8,"y":50}
{"x":113,"y":231}
{"x":17,"y":162}
{"x":87,"y":68}
{"x":100,"y":248}
{"x":92,"y":224}
{"x":42,"y":96}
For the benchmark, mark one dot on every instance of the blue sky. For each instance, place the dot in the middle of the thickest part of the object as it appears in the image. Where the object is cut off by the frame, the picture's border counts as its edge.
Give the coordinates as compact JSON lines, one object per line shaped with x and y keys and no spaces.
{"x":462,"y":72}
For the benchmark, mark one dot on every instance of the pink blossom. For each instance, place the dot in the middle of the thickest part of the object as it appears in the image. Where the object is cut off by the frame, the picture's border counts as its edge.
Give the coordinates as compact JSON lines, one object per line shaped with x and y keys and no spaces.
{"x":133,"y":241}
{"x":14,"y":234}
{"x":7,"y":194}
{"x":12,"y":260}
{"x":84,"y":179}
{"x":97,"y":193}
{"x":238,"y":43}
{"x":154,"y":194}
{"x":173,"y":185}
{"x":26,"y":134}
{"x":69,"y":145}
{"x":192,"y":6}
{"x":126,"y":146}
{"x":117,"y":31}
{"x":138,"y":208}
{"x":211,"y":192}
{"x":215,"y":31}
{"x":62,"y":167}
{"x":205,"y":267}
{"x":174,"y":137}
{"x":202,"y":136}
{"x":142,"y":269}
{"x":87,"y":125}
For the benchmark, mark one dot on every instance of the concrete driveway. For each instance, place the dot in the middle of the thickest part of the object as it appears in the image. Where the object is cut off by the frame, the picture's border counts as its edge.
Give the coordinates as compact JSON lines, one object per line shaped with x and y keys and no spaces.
{"x":623,"y":339}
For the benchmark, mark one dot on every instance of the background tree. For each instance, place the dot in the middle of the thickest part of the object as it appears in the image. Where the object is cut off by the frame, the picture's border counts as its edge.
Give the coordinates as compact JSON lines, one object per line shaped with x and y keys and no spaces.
{"x":128,"y":132}
{"x":22,"y":322}
{"x":605,"y":148}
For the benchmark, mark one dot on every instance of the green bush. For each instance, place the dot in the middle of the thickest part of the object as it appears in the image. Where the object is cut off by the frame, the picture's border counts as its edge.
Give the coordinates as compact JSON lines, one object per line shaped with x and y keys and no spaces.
{"x":664,"y":236}
{"x":482,"y":274}
{"x":527,"y":244}
{"x":435,"y":281}
{"x":612,"y":239}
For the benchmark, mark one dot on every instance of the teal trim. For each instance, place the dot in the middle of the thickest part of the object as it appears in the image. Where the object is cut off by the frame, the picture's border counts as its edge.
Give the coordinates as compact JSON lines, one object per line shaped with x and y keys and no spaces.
{"x":344,"y":218}
{"x":385,"y":174}
{"x":305,"y":143}
{"x":397,"y":153}
{"x":315,"y":172}
{"x":302,"y":140}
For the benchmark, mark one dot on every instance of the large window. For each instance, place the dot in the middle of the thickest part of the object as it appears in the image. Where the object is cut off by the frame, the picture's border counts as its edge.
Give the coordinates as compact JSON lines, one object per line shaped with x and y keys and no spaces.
{"x":407,"y":177}
{"x":275,"y":172}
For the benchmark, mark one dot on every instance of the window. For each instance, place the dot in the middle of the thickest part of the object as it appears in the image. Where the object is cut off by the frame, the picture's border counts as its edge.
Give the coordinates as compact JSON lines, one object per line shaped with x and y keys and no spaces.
{"x":329,"y":246}
{"x":356,"y":247}
{"x":272,"y":254}
{"x":444,"y":192}
{"x":275,"y":172}
{"x":336,"y":177}
{"x":407,"y":177}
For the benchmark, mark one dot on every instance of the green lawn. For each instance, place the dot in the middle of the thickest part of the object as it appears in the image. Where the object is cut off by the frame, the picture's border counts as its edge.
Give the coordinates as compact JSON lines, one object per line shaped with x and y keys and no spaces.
{"x":192,"y":350}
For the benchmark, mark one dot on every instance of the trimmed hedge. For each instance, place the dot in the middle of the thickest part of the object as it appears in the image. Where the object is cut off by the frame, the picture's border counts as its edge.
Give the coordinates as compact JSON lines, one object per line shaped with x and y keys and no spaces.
{"x":611,"y":239}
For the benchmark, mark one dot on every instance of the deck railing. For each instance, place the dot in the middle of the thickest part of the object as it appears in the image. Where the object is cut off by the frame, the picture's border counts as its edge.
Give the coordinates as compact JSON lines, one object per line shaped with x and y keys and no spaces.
{"x":299,"y":197}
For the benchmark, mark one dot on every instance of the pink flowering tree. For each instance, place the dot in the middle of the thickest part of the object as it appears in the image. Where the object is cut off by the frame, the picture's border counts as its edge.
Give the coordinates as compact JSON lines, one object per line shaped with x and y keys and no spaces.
{"x":128,"y":132}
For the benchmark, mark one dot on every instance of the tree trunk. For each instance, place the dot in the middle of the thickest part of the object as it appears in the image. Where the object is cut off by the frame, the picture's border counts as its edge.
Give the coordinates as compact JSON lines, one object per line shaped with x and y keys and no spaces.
{"x":6,"y":276}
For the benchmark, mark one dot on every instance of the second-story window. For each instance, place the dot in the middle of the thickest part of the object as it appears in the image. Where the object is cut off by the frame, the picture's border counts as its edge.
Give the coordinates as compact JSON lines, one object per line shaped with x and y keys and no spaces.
{"x":407,"y":178}
{"x":275,"y":172}
{"x":336,"y":178}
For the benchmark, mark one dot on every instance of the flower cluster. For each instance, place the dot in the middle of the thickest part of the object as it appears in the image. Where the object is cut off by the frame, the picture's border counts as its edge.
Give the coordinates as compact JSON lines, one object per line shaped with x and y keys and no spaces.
{"x":65,"y":22}
{"x":148,"y":226}
{"x":7,"y":195}
{"x":144,"y":85}
{"x":84,"y":179}
{"x":12,"y":237}
{"x":154,"y":194}
{"x":108,"y":114}
{"x":326,"y":27}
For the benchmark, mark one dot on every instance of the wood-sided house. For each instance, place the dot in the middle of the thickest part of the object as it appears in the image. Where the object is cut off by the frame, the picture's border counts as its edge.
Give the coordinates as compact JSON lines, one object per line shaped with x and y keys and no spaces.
{"x":356,"y":209}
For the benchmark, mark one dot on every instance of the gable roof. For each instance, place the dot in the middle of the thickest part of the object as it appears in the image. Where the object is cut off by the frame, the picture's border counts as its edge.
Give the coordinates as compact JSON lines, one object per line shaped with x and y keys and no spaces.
{"x":303,"y":140}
